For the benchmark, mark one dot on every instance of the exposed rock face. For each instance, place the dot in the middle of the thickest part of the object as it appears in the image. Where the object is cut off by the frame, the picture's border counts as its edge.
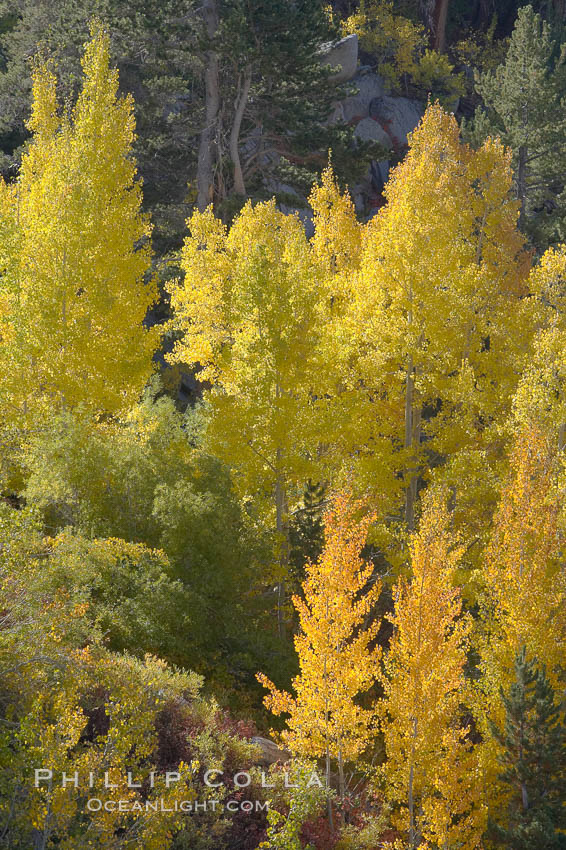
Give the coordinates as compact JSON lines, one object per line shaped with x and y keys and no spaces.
{"x":270,"y":752}
{"x":378,"y":117}
{"x":395,"y":117}
{"x":369,"y":130}
{"x":356,"y":107}
{"x":398,"y":116}
{"x":342,"y":54}
{"x":375,"y":115}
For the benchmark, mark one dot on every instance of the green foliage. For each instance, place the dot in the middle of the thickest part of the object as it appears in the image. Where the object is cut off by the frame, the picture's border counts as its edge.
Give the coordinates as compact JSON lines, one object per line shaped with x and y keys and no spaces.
{"x":481,"y":51}
{"x":524,"y":104}
{"x":366,"y":836}
{"x":144,"y":479}
{"x":434,"y":74}
{"x":123,"y":584}
{"x":302,"y":802}
{"x":116,"y":585}
{"x":533,"y":743}
{"x":306,"y":530}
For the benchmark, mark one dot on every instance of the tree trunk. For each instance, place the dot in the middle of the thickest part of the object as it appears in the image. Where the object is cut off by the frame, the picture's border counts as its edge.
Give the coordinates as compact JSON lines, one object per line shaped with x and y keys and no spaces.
{"x":411,"y":801}
{"x":409,"y":402}
{"x":412,"y":430}
{"x":40,"y":837}
{"x":282,"y":527}
{"x":328,"y":799}
{"x":522,"y":183}
{"x":208,"y":136}
{"x":426,"y":8}
{"x":433,"y":15}
{"x":439,"y":25}
{"x":411,"y":497}
{"x":327,"y":723}
{"x":341,"y":783}
{"x":239,"y":108}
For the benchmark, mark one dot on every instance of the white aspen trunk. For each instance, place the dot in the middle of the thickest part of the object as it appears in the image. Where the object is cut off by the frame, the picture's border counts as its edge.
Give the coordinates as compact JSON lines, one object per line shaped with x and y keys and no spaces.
{"x":341,"y":782}
{"x":411,"y":801}
{"x":282,"y":527}
{"x":240,"y":106}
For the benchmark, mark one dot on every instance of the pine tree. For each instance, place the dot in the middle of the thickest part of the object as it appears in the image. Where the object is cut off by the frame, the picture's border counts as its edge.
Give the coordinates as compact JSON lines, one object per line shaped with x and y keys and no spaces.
{"x":260,"y":76}
{"x":306,"y":530}
{"x":533,"y":757}
{"x":431,"y":775}
{"x":337,"y":661}
{"x":524,"y":103}
{"x":75,"y":253}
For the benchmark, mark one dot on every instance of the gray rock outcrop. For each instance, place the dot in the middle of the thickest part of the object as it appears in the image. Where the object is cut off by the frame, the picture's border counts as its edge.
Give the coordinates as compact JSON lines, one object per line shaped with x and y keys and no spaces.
{"x":342,"y":55}
{"x":356,"y":107}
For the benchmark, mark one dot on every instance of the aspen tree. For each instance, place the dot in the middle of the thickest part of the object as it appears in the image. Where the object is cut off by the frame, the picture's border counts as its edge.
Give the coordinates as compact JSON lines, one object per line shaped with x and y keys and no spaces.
{"x":541,"y":394}
{"x":337,"y":660}
{"x":525,"y":586}
{"x":248,"y":314}
{"x":430,"y":771}
{"x":75,"y":252}
{"x":436,"y":314}
{"x":523,"y":603}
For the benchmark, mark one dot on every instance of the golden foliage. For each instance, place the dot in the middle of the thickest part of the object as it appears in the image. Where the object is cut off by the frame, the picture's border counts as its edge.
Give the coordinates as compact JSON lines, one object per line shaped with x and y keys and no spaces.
{"x":75,"y":252}
{"x":336,"y":658}
{"x":524,"y":585}
{"x":430,"y":773}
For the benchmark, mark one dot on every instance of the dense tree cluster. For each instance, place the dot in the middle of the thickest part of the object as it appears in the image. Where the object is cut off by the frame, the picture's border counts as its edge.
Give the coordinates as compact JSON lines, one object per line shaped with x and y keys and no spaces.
{"x":364,"y":510}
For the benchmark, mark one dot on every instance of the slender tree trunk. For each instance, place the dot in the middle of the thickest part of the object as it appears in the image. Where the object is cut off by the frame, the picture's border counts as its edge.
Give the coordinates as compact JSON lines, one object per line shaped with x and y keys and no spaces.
{"x":328,"y":799}
{"x":40,"y":838}
{"x":413,"y":832}
{"x":282,"y":527}
{"x":524,"y":796}
{"x":412,"y":434}
{"x":439,"y":24}
{"x":327,"y":722}
{"x":409,"y":402}
{"x":413,"y":483}
{"x":239,"y":108}
{"x":341,"y":782}
{"x":208,"y":136}
{"x":522,"y":183}
{"x":411,"y":801}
